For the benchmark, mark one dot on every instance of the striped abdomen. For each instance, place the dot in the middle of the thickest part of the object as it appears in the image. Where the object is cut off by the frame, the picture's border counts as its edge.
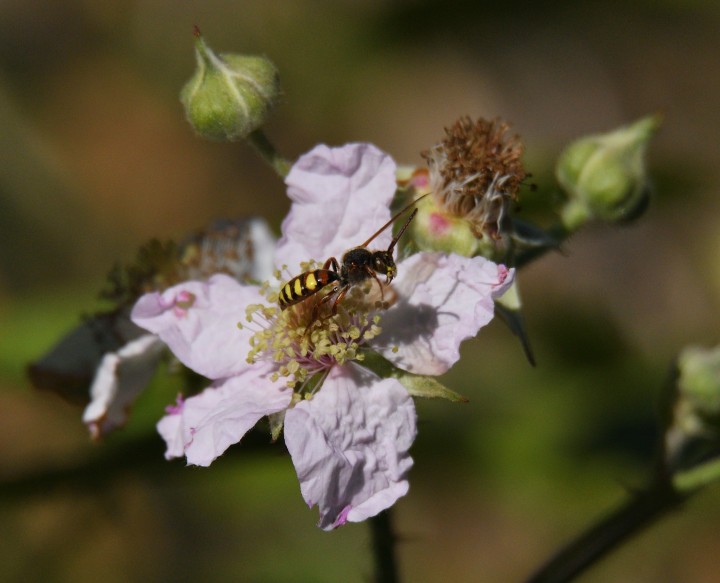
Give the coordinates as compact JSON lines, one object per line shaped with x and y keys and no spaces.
{"x":305,"y":285}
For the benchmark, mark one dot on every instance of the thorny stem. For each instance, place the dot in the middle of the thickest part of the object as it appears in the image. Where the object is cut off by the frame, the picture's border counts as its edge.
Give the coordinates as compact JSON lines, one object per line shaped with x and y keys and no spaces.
{"x":383,"y":542}
{"x":631,"y":518}
{"x":267,"y":151}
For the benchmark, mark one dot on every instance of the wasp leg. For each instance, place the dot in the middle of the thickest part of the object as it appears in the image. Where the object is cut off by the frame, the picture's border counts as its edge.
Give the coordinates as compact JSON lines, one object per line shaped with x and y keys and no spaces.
{"x":369,"y":271}
{"x":339,"y":297}
{"x":332,"y":262}
{"x":333,"y":294}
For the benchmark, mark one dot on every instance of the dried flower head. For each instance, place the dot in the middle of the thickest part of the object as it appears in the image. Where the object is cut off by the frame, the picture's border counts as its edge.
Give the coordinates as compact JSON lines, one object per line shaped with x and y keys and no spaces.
{"x":241,"y":248}
{"x":476,"y":172}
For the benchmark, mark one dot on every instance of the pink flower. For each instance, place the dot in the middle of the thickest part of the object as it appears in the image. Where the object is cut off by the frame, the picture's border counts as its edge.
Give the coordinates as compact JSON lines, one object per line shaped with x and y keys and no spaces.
{"x":348,"y":431}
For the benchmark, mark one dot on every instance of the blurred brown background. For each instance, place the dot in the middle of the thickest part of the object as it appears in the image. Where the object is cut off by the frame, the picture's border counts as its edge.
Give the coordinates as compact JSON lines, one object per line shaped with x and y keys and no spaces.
{"x":95,"y":158}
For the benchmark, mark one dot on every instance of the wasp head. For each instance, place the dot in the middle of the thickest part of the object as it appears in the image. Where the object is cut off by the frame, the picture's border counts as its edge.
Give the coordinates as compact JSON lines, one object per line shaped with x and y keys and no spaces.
{"x":384,"y":264}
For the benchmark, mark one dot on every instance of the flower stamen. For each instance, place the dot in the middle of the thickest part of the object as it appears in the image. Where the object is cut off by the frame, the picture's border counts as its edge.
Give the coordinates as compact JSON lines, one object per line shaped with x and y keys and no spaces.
{"x":303,"y":346}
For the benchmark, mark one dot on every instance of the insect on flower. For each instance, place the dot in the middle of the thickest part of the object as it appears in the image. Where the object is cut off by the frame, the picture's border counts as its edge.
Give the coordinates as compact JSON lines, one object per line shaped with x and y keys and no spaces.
{"x":359,"y":264}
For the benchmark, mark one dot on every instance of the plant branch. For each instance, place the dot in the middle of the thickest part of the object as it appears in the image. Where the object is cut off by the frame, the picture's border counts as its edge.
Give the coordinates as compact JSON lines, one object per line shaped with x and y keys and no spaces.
{"x":631,"y":518}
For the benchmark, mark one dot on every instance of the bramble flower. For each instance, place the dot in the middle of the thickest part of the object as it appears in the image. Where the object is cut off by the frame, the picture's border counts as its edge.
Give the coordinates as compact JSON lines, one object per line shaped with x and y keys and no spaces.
{"x":348,"y":430}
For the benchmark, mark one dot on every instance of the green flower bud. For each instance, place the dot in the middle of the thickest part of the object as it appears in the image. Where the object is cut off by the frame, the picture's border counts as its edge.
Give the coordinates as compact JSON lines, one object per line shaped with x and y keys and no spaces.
{"x":230,"y":95}
{"x":699,"y":382}
{"x":695,"y":406}
{"x":605,"y":175}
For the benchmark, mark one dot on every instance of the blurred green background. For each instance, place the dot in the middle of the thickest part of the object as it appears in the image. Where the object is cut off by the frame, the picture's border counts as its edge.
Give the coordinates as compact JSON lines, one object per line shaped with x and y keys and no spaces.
{"x":95,"y":158}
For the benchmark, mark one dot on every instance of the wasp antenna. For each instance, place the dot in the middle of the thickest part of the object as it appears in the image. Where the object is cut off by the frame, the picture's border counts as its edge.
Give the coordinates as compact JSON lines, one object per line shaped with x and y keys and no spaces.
{"x":401,"y":231}
{"x":392,"y":220}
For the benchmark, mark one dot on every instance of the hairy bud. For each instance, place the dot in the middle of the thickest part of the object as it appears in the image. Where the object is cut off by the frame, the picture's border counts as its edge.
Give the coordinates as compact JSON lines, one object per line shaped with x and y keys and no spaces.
{"x":229,"y":96}
{"x":605,"y":176}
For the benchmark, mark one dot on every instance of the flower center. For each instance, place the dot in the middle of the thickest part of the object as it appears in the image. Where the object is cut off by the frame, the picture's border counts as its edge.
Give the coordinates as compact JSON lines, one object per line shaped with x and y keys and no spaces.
{"x":305,"y":344}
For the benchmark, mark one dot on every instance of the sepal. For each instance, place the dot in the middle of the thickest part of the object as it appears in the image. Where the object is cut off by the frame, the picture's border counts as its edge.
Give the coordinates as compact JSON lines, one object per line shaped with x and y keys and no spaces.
{"x":416,"y":385}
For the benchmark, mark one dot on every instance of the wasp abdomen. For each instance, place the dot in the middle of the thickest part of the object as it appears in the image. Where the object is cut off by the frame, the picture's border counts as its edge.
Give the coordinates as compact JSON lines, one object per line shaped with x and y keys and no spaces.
{"x":305,"y":285}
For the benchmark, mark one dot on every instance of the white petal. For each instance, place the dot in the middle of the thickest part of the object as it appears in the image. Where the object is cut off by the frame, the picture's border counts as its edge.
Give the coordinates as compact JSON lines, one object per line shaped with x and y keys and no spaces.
{"x":170,"y":429}
{"x":205,"y":425}
{"x":350,"y":445}
{"x":341,"y":197}
{"x":202,"y":331}
{"x":121,"y":376}
{"x":442,"y":300}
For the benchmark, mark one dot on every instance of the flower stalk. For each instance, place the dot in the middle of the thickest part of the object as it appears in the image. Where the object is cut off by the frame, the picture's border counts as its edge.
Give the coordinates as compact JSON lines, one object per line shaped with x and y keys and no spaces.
{"x":383,"y":544}
{"x":262,"y":145}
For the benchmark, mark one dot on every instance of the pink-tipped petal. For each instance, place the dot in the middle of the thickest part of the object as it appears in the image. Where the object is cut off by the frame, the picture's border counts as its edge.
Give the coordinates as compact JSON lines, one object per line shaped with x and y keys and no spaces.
{"x":208,"y":423}
{"x":350,"y":444}
{"x":341,"y":196}
{"x":442,"y":300}
{"x":199,"y":323}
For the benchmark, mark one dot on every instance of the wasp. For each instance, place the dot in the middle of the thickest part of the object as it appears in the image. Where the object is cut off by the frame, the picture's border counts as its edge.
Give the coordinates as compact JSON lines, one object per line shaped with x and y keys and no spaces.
{"x":359,"y":264}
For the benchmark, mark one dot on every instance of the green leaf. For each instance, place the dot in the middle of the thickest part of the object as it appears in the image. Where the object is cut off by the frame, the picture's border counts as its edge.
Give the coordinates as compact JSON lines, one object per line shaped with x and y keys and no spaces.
{"x":416,"y":385}
{"x":429,"y":388}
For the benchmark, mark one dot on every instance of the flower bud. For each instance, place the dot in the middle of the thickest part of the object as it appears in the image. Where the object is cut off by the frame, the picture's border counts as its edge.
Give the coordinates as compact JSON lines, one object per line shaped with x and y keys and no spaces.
{"x":699,"y":382}
{"x":605,"y":175}
{"x":230,"y":95}
{"x":695,"y":408}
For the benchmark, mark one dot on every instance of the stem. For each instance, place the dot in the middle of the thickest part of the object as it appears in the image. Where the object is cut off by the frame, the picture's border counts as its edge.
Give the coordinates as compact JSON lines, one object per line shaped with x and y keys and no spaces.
{"x":629,"y":519}
{"x":383,"y":542}
{"x":267,"y":151}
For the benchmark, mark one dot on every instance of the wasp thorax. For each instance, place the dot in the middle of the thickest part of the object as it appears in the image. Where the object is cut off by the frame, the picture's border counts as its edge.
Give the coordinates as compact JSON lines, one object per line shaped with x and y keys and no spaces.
{"x":355,"y":264}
